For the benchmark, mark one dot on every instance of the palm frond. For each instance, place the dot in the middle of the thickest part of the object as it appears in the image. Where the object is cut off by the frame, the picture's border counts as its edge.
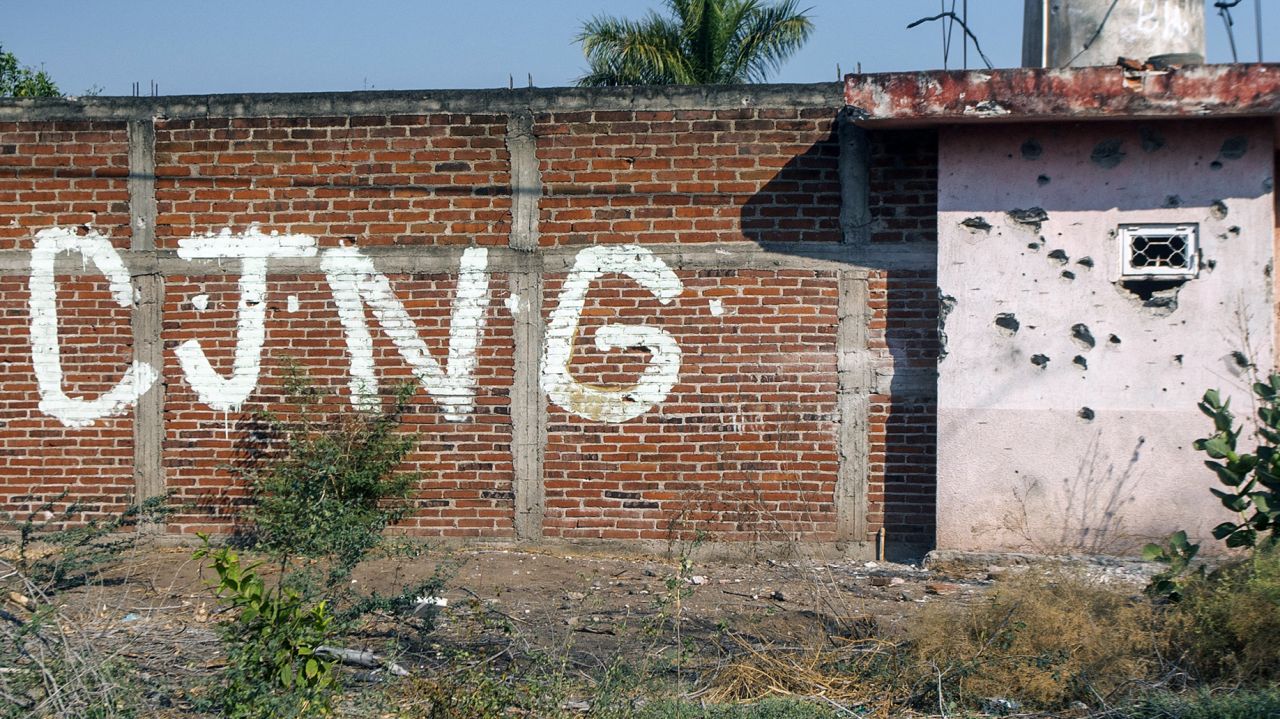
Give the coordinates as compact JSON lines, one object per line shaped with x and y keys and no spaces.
{"x":767,"y":37}
{"x":704,"y":42}
{"x":626,"y":52}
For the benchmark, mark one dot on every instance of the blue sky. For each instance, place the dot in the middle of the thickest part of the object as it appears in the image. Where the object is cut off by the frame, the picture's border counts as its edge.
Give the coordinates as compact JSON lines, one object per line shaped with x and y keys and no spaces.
{"x":334,"y":45}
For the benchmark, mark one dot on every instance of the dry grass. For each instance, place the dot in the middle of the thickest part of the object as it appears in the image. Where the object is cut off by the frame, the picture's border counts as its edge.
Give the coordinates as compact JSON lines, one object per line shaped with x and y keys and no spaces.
{"x":1045,"y":640}
{"x":851,"y":675}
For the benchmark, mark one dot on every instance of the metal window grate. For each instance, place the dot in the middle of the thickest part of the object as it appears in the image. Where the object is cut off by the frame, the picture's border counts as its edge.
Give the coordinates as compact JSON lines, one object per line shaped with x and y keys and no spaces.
{"x":1165,"y":251}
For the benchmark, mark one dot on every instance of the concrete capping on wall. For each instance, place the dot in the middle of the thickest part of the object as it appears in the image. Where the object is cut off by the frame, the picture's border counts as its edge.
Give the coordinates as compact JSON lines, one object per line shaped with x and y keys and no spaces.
{"x":416,"y":102}
{"x":1032,"y":94}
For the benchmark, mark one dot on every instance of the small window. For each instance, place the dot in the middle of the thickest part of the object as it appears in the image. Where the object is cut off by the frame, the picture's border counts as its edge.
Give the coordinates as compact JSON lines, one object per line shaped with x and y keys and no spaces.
{"x":1159,"y":251}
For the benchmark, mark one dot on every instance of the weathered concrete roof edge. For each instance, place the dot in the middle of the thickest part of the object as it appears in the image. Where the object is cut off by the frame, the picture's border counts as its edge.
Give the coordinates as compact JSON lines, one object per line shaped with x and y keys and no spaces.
{"x":1025,"y":94}
{"x":412,"y":102}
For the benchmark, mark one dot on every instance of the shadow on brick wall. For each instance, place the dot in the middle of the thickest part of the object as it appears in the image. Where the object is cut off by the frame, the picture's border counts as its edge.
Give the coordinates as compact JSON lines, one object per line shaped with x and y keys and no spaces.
{"x":797,"y":212}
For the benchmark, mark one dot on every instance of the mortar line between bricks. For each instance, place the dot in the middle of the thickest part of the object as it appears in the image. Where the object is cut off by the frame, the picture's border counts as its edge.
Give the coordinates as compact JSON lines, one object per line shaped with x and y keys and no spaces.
{"x":528,"y":405}
{"x":147,"y":319}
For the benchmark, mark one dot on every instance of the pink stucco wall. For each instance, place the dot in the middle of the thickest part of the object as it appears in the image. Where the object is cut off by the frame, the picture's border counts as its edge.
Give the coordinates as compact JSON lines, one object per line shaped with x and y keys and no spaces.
{"x":1088,"y":448}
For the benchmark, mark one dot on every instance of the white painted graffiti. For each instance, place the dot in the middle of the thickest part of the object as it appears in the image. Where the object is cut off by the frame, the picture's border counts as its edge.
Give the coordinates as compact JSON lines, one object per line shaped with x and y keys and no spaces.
{"x":352,"y":278}
{"x":253,"y":249}
{"x":46,"y":353}
{"x":355,"y":284}
{"x":611,"y":404}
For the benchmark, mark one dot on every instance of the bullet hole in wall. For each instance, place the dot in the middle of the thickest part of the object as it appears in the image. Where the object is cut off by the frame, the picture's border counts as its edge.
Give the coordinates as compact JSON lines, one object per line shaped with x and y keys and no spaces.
{"x":1108,"y":153}
{"x":1151,"y":139}
{"x":1030,"y":217}
{"x":1007,"y":321}
{"x":1234,"y":148}
{"x":1080,"y":333}
{"x":1158,"y":296}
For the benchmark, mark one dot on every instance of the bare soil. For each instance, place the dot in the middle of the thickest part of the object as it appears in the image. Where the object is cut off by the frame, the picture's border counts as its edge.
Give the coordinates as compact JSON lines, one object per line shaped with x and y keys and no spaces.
{"x":587,"y":610}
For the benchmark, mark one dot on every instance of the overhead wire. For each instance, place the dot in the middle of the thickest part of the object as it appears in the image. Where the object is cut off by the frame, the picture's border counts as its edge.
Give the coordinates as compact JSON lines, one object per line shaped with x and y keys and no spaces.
{"x":1224,"y":12}
{"x":1093,"y":38}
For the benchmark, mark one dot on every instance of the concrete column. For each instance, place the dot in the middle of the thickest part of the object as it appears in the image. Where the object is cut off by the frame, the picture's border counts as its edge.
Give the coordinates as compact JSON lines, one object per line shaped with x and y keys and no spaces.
{"x":528,"y":405}
{"x":147,"y":319}
{"x":855,"y":376}
{"x":854,"y":166}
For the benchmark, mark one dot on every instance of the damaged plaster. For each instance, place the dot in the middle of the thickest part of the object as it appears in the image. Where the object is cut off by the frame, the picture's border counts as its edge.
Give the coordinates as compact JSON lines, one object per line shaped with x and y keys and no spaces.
{"x":1037,"y":367}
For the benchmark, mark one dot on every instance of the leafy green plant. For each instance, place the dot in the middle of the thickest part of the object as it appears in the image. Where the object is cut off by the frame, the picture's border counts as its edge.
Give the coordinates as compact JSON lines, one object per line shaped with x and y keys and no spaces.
{"x":1177,"y":554}
{"x":325,"y":486}
{"x":1228,"y":623}
{"x":328,"y":484}
{"x":18,"y":80}
{"x":1252,"y":480}
{"x":272,"y":638}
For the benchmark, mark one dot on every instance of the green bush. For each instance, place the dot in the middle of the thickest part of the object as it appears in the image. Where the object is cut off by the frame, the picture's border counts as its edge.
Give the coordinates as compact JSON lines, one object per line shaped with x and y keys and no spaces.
{"x":1228,"y":622}
{"x":327,"y":483}
{"x":1252,"y":480}
{"x":1235,"y":704}
{"x":325,"y":486}
{"x":271,"y":639}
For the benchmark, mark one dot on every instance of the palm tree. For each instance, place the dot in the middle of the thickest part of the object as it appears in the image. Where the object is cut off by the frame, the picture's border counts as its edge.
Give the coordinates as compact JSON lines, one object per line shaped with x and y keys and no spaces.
{"x":706,"y":42}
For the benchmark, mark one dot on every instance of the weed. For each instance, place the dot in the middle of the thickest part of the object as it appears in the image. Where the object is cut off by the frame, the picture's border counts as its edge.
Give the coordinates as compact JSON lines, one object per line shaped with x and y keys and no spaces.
{"x":1229,"y":622}
{"x":1236,"y":704}
{"x":50,"y":666}
{"x":1177,"y":555}
{"x":273,"y":669}
{"x":1252,"y":480}
{"x":328,"y":484}
{"x":53,"y":547}
{"x":325,"y":486}
{"x":1044,"y":640}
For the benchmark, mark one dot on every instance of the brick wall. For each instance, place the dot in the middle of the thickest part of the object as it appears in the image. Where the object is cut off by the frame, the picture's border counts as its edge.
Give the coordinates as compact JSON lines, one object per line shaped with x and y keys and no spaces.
{"x":63,"y":173}
{"x":744,"y":446}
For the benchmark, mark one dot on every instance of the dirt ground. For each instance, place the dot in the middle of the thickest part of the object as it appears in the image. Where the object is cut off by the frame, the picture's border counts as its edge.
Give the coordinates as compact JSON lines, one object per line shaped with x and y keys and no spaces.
{"x":586,"y":610}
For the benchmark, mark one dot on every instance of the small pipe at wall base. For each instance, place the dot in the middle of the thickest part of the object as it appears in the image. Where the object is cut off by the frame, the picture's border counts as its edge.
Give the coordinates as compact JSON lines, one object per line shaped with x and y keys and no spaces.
{"x":880,"y":544}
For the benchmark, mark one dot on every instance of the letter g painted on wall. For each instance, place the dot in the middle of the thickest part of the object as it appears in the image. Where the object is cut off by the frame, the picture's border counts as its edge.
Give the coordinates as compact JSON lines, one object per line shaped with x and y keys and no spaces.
{"x":611,"y":404}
